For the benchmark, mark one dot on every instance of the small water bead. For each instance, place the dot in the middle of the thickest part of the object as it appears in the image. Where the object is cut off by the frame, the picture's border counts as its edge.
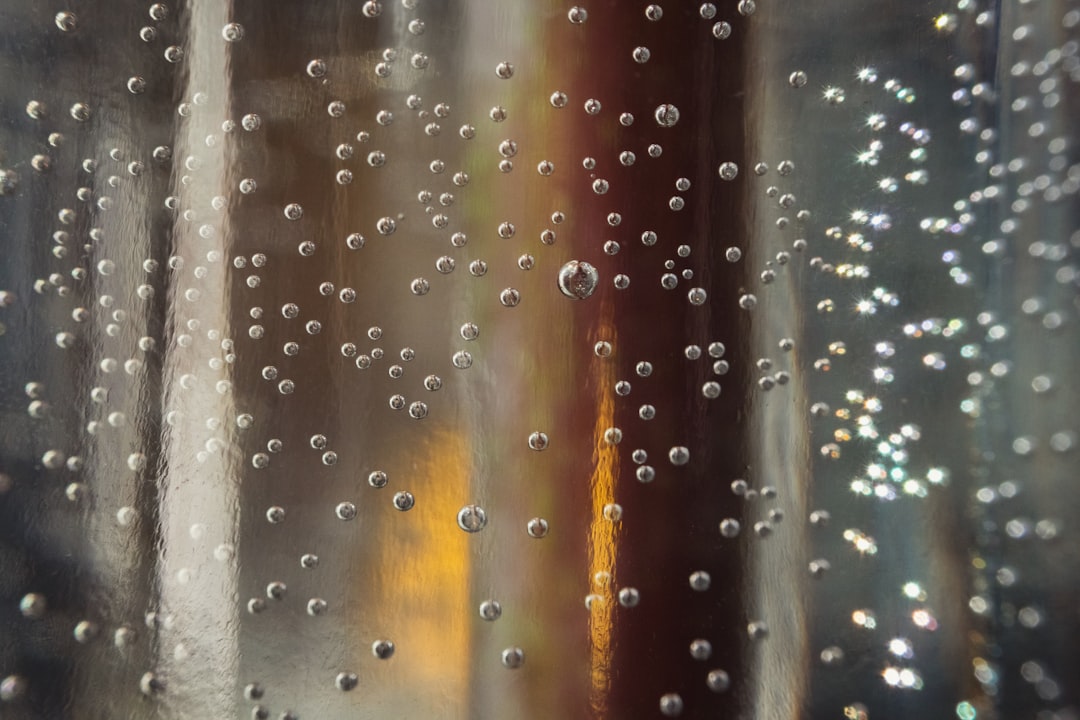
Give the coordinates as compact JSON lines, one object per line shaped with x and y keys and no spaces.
{"x":513,"y":658}
{"x":700,"y":581}
{"x":558,"y":99}
{"x":537,"y":528}
{"x":33,"y":605}
{"x":707,"y":11}
{"x":728,"y":171}
{"x":275,"y":515}
{"x":700,"y":649}
{"x":346,"y":681}
{"x":721,"y":30}
{"x":797,"y":79}
{"x":538,"y":441}
{"x":345,"y":511}
{"x":613,"y":512}
{"x":718,"y":681}
{"x":747,"y":7}
{"x":671,"y":705}
{"x":471,"y":519}
{"x":679,"y":455}
{"x":490,"y":610}
{"x":66,"y":21}
{"x":497,"y":114}
{"x":80,"y":112}
{"x":621,"y":281}
{"x":510,"y":297}
{"x":404,"y":501}
{"x":655,"y":151}
{"x":641,"y":54}
{"x":382,"y":649}
{"x":504,"y":71}
{"x":629,"y":597}
{"x":508,"y":148}
{"x":645,"y":474}
{"x":233,"y":32}
{"x":275,"y":591}
{"x":462,"y":360}
{"x":666,"y":115}
{"x":251,"y":122}
{"x":316,"y":68}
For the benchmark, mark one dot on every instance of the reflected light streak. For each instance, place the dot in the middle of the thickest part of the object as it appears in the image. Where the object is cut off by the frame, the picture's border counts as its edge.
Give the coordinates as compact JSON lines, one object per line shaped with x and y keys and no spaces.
{"x":603,"y":534}
{"x":426,"y":580}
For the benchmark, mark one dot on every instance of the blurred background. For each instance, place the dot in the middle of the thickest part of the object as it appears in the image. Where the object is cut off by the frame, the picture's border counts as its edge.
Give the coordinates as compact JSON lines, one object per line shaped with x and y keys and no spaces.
{"x":297,"y":422}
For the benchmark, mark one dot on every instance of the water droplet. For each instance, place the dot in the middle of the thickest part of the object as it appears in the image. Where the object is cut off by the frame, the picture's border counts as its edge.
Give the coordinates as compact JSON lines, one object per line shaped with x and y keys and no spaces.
{"x":578,"y":279}
{"x":382,"y":649}
{"x":472,"y":518}
{"x":679,"y":455}
{"x":513,"y":657}
{"x":671,"y":705}
{"x":66,"y":21}
{"x":346,"y":681}
{"x":490,"y":610}
{"x":718,"y":681}
{"x":666,"y":115}
{"x":577,"y":15}
{"x":233,"y":32}
{"x":537,"y":527}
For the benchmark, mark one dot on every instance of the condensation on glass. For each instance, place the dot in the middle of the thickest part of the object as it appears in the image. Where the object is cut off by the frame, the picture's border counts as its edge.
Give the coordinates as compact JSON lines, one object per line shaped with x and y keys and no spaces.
{"x":520,"y":359}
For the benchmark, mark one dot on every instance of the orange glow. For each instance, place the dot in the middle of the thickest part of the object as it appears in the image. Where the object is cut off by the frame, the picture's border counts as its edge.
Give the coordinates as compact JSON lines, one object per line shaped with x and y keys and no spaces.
{"x":603,"y":534}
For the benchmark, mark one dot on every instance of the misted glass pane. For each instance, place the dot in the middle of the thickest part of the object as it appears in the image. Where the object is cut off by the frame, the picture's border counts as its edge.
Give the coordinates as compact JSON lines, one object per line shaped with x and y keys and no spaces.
{"x":515,"y":359}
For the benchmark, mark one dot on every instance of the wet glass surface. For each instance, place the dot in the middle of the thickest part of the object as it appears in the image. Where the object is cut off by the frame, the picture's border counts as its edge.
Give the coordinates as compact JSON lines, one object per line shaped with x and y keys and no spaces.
{"x":520,"y":359}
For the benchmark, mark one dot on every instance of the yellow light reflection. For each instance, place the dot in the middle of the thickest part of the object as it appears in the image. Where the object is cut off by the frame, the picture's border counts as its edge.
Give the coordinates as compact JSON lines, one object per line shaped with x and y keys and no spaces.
{"x":603,"y":534}
{"x":425,"y":579}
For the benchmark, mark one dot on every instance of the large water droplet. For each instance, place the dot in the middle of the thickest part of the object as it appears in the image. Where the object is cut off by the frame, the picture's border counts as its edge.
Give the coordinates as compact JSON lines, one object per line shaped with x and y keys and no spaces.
{"x":578,"y":279}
